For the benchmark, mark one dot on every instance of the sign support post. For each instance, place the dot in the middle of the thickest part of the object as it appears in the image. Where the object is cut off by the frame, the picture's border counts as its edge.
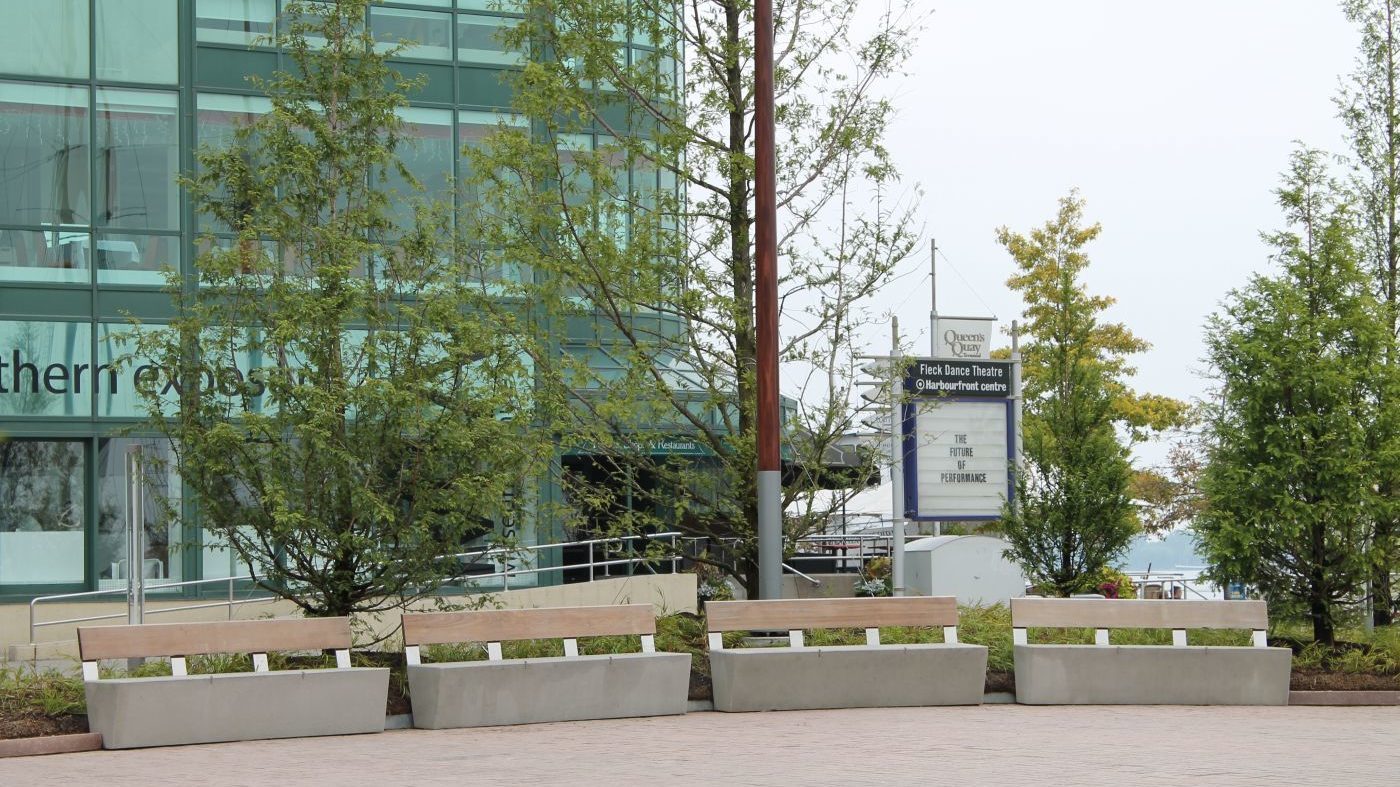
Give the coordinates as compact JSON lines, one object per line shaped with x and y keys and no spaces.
{"x":1018,"y":405}
{"x":896,"y":463}
{"x":933,"y":296}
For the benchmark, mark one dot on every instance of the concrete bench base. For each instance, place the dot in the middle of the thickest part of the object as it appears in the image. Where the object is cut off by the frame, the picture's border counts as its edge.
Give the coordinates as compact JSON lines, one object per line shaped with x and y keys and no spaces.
{"x":859,"y":676}
{"x":525,"y":691}
{"x":1151,"y":675}
{"x":169,"y":711}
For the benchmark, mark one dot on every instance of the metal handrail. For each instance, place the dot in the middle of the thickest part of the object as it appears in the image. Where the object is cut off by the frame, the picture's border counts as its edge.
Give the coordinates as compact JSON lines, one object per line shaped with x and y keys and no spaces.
{"x":230,"y":603}
{"x":815,"y":582}
{"x":506,"y":573}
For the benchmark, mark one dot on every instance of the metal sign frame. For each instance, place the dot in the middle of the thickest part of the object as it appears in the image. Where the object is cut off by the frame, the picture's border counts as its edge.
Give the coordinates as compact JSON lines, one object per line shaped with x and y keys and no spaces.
{"x":911,"y":468}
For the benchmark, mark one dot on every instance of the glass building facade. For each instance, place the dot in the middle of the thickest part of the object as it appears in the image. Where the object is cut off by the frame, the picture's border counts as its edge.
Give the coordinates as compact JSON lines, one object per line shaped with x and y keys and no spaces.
{"x":102,"y":105}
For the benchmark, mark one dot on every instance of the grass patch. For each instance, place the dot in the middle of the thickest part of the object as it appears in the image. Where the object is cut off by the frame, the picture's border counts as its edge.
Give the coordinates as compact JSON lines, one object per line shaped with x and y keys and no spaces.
{"x":50,"y":693}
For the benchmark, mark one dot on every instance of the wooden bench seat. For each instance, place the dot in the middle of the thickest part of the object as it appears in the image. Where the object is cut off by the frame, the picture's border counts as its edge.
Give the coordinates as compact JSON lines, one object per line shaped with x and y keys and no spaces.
{"x":856,"y":676}
{"x":1176,"y":674}
{"x":183,"y":708}
{"x":502,"y":691}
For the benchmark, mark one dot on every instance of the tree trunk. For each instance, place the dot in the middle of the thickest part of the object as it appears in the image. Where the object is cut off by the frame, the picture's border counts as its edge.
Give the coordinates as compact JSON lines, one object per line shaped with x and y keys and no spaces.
{"x":1323,"y":630}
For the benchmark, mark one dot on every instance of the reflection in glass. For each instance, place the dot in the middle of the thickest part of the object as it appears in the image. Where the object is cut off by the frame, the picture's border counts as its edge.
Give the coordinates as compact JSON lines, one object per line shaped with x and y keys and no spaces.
{"x":45,"y":38}
{"x":41,"y":512}
{"x":137,"y":41}
{"x":138,"y":159}
{"x":429,"y":34}
{"x":45,"y":255}
{"x":44,"y":159}
{"x":46,"y":369}
{"x":124,"y":258}
{"x":426,"y":152}
{"x":160,"y":498}
{"x":478,"y":40}
{"x":234,"y":21}
{"x":217,"y":118}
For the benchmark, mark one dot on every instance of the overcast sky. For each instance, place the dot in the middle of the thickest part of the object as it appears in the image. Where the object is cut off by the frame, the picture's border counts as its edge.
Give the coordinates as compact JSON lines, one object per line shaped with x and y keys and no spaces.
{"x":1174,"y":121}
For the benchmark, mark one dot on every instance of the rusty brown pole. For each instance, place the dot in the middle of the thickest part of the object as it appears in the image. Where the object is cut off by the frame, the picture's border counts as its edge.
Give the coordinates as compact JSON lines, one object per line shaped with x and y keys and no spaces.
{"x":769,"y":482}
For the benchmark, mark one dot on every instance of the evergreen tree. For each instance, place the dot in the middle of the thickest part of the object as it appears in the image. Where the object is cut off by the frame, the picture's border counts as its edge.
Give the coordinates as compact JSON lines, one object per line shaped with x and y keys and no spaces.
{"x":333,"y":386}
{"x":1370,"y":107}
{"x":1290,"y":480}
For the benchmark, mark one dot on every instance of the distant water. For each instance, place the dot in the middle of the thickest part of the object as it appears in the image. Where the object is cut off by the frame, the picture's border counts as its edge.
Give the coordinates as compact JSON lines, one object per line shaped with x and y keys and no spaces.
{"x":1174,"y":553}
{"x":1162,"y":554}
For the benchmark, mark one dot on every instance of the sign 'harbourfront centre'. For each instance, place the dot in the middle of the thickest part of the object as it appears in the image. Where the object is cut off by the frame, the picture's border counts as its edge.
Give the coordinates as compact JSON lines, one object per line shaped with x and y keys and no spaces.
{"x":959,"y":438}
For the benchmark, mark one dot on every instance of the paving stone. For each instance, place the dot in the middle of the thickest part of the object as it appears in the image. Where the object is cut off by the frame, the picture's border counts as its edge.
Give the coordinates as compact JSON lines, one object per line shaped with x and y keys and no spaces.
{"x":987,"y":746}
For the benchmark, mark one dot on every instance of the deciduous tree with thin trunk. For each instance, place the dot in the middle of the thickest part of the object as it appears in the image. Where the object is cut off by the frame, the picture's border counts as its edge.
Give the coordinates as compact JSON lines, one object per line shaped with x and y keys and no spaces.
{"x":1074,"y":516}
{"x":630,"y":199}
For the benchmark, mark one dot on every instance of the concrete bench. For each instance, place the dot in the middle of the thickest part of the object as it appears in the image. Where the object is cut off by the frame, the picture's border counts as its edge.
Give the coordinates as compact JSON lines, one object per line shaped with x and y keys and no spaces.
{"x":1176,"y":674}
{"x":855,"y":676}
{"x":522,"y":691}
{"x":237,"y":706}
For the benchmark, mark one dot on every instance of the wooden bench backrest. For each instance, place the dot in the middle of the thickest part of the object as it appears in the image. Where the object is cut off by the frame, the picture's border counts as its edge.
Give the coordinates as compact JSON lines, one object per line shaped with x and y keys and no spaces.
{"x":494,"y":626}
{"x":1105,"y":614}
{"x":178,"y":640}
{"x":831,"y":613}
{"x":795,"y":615}
{"x":192,"y":639}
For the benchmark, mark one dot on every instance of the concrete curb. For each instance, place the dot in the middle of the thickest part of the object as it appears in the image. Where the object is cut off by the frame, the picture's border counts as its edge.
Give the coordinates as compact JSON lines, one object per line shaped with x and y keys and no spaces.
{"x":51,"y":744}
{"x":1345,"y":698}
{"x":399,"y":721}
{"x":990,"y":698}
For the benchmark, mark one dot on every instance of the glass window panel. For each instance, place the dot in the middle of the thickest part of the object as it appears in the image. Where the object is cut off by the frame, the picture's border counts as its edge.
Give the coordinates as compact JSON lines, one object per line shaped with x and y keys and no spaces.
{"x":506,"y":6}
{"x":314,"y":12}
{"x":44,"y":170}
{"x":472,"y":130}
{"x":117,"y":395}
{"x":478,"y":40}
{"x":429,"y":33}
{"x":218,"y":116}
{"x":426,"y":152}
{"x":41,"y":512}
{"x":234,"y":21}
{"x":46,"y":369}
{"x":45,"y":38}
{"x":136,"y":259}
{"x":138,"y":159}
{"x":137,"y":41}
{"x":160,"y":492}
{"x":45,"y":255}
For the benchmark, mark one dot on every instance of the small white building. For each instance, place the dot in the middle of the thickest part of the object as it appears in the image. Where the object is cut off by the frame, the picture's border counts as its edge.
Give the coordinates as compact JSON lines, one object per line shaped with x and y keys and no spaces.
{"x":969,"y":567}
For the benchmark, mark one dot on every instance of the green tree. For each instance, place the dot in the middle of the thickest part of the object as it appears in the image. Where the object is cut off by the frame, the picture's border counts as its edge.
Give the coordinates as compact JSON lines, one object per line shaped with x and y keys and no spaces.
{"x":630,"y":199}
{"x":332,"y":385}
{"x":1290,"y":477}
{"x":1369,"y":105}
{"x":1074,"y":515}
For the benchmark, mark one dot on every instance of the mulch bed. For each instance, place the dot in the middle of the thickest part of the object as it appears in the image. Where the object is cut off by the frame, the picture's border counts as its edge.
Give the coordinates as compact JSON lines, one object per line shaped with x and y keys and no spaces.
{"x":1316,"y":680}
{"x":37,"y":725}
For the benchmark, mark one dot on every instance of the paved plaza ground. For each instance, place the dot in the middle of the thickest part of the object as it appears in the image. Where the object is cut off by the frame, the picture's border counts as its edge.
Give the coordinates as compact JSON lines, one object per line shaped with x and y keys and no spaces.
{"x":986,"y":746}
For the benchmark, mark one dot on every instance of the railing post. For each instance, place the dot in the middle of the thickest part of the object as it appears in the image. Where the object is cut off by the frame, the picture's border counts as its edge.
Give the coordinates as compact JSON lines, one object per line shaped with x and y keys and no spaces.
{"x":136,"y":530}
{"x":32,"y":602}
{"x":230,"y":596}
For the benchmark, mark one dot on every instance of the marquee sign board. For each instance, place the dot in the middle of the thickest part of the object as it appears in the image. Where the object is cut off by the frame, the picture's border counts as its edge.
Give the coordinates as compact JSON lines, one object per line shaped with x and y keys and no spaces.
{"x":957,"y":377}
{"x":959,"y":431}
